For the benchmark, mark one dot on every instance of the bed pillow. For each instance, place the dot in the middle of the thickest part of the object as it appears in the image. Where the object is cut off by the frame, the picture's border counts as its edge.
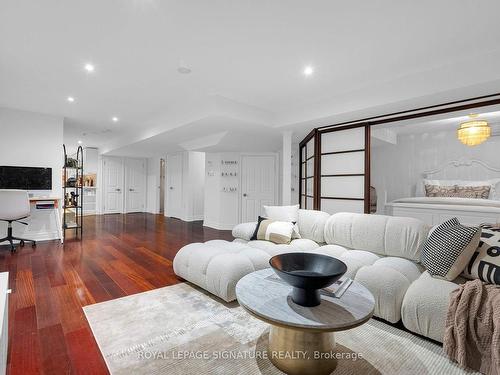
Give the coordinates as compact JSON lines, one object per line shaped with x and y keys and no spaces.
{"x":439,"y":191}
{"x":449,"y":248}
{"x":493,"y":183}
{"x":284,"y":213}
{"x":485,"y":262}
{"x":480,"y":192}
{"x":456,"y":191}
{"x":279,"y":232}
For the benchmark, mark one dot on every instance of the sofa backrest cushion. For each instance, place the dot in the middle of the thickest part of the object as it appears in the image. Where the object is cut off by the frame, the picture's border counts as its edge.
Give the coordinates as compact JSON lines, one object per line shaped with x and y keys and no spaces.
{"x":312,"y":224}
{"x":379,"y":234}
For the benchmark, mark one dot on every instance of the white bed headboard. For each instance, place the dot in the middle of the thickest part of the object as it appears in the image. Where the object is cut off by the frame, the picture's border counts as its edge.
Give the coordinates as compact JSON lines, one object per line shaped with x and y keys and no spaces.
{"x":463,"y":169}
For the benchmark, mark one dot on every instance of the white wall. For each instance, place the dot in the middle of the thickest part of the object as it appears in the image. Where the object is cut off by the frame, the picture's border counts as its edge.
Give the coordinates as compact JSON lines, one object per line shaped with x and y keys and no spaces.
{"x":221,"y":207}
{"x":33,"y":140}
{"x":397,"y":168}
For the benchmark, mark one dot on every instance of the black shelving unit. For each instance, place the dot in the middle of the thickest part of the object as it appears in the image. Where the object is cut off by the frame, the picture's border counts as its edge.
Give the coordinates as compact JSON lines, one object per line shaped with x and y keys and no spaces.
{"x":73,"y":195}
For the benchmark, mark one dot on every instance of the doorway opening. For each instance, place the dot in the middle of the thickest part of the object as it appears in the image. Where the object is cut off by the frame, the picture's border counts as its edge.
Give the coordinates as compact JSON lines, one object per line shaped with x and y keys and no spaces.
{"x":162,"y":186}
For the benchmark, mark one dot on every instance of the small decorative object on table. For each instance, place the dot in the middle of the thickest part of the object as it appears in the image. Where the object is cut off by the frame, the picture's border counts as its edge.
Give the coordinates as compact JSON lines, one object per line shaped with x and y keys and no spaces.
{"x":307,"y":273}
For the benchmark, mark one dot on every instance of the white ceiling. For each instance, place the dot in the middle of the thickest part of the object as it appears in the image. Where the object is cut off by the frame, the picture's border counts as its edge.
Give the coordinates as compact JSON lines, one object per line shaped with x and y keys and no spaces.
{"x":443,"y":122}
{"x":247,"y":59}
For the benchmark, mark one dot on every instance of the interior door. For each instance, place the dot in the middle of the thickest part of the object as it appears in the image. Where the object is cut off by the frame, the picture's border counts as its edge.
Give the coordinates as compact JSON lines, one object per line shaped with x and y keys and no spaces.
{"x":135,"y":179}
{"x":113,"y":185}
{"x":258,"y":185}
{"x":174,"y":184}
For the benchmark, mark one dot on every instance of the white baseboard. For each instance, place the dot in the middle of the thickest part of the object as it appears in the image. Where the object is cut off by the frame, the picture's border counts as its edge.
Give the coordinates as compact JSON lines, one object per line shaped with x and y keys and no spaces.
{"x":192,"y":218}
{"x":38,"y":236}
{"x":219,"y":226}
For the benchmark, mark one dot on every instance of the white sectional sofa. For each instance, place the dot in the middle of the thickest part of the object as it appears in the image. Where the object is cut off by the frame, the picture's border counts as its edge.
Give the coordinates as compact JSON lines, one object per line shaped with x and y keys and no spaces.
{"x":218,"y":265}
{"x":381,"y":252}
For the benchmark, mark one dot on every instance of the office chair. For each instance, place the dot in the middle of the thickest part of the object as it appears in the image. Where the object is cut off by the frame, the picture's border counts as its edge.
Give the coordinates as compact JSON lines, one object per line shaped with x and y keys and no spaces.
{"x":14,"y":206}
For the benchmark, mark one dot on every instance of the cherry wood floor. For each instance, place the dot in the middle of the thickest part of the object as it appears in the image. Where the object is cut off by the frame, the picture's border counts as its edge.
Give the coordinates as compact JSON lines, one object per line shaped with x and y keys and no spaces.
{"x":118,"y":256}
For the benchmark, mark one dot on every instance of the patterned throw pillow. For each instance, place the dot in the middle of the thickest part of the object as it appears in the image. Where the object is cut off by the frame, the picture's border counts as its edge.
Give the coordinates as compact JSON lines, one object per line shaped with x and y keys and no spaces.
{"x":485,"y":262}
{"x":480,"y":192}
{"x":279,"y":232}
{"x":449,"y":249}
{"x":456,"y":191}
{"x":439,"y":191}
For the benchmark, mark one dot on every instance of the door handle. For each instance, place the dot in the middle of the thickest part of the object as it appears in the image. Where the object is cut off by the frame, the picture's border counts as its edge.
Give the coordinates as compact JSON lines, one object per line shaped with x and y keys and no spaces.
{"x":244,"y":194}
{"x":130,"y":189}
{"x":171,"y":188}
{"x":118,"y":189}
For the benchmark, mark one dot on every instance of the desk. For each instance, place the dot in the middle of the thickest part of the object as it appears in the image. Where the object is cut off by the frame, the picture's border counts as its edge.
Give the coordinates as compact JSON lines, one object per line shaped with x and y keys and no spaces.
{"x":56,"y":211}
{"x":4,"y":320}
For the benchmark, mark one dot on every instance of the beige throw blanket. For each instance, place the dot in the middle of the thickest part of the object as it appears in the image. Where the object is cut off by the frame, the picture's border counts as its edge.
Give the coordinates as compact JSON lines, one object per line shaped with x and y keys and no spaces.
{"x":472,"y":334}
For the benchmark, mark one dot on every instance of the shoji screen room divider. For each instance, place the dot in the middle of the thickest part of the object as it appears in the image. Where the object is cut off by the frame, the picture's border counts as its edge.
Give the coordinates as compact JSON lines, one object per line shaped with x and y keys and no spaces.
{"x":307,"y":187}
{"x":335,"y":169}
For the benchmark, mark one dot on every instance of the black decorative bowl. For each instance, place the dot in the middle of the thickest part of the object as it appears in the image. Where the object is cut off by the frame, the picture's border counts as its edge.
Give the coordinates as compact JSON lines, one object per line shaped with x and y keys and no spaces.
{"x":307,"y":273}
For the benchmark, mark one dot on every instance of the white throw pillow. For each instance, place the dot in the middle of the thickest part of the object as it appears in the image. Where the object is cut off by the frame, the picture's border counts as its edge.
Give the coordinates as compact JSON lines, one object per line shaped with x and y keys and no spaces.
{"x":284,"y":213}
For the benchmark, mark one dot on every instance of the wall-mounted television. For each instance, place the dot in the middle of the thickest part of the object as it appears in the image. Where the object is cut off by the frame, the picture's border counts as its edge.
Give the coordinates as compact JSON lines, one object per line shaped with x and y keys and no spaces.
{"x":25,"y":178}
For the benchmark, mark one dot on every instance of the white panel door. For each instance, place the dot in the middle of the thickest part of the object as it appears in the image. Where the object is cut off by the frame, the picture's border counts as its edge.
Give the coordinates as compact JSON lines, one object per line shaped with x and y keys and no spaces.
{"x":174,"y":186}
{"x":135,"y":185}
{"x":258,"y":185}
{"x":113,"y":185}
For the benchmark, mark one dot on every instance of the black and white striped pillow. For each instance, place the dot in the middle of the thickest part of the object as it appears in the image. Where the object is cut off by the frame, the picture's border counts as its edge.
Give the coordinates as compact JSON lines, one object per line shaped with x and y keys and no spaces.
{"x":485,"y":263}
{"x":449,"y":248}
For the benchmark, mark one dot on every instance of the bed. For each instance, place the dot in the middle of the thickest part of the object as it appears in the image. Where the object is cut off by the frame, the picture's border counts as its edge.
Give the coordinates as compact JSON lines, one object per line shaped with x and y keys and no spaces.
{"x":436,"y":209}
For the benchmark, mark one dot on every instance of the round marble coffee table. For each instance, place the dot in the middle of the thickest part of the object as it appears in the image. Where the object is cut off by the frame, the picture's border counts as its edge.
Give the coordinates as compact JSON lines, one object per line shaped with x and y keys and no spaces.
{"x":301,"y":339}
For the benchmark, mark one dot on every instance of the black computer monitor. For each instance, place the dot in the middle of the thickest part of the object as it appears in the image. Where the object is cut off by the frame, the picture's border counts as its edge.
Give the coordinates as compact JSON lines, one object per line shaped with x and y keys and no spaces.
{"x":25,"y":178}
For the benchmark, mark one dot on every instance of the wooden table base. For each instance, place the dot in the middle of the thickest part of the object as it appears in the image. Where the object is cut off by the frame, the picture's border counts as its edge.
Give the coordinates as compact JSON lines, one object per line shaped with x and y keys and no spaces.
{"x":302,"y":352}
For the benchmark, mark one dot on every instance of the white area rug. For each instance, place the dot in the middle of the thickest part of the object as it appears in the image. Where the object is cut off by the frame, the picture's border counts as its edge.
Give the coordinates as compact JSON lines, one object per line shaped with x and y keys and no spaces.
{"x":182,"y":330}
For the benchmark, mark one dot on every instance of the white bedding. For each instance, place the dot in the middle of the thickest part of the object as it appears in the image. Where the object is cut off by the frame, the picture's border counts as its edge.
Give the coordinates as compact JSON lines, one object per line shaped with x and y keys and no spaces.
{"x":451,"y":201}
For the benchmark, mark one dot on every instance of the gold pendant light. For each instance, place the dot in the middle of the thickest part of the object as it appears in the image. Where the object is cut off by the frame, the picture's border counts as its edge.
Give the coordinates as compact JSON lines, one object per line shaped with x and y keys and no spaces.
{"x":474,"y":131}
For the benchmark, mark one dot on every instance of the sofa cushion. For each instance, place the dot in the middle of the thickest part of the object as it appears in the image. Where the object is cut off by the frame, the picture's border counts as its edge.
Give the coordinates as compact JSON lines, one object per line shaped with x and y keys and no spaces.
{"x":218,"y":265}
{"x":384,"y":235}
{"x":298,"y":245}
{"x":354,"y":259}
{"x":425,"y":305}
{"x":388,"y":280}
{"x":312,"y":225}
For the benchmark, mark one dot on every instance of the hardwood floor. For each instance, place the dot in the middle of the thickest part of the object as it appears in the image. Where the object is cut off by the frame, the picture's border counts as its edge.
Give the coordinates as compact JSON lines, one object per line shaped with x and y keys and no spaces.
{"x":118,"y":256}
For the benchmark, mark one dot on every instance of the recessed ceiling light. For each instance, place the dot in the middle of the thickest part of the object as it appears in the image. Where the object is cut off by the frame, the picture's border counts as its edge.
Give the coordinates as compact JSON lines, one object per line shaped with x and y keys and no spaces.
{"x":80,"y":142}
{"x":115,"y":119}
{"x":70,"y":99}
{"x":89,"y":67}
{"x":183,"y":68}
{"x":308,"y":70}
